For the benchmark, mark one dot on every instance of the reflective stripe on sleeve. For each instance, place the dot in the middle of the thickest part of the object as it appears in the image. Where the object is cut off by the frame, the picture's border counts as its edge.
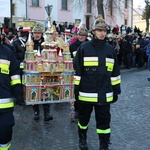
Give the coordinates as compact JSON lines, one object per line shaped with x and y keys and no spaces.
{"x":77,"y":80}
{"x":6,"y":100}
{"x":21,"y":65}
{"x":109,"y":97}
{"x":7,"y":105}
{"x":115,"y":80}
{"x":15,"y":79}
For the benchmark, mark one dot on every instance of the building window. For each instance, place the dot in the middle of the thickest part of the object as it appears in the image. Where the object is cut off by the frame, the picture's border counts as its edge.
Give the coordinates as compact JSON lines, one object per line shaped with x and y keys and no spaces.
{"x":110,"y":7}
{"x":13,"y":9}
{"x":89,"y":5}
{"x":64,"y":4}
{"x":126,"y":3}
{"x":14,"y":25}
{"x":125,"y":21}
{"x":35,"y":3}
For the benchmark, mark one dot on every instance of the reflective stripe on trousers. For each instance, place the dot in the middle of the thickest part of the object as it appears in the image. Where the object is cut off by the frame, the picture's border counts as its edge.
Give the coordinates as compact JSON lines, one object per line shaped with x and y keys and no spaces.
{"x":5,"y":146}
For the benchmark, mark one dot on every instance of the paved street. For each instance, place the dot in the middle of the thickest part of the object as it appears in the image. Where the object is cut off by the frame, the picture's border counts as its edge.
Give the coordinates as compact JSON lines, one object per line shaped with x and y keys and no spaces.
{"x":130,"y":121}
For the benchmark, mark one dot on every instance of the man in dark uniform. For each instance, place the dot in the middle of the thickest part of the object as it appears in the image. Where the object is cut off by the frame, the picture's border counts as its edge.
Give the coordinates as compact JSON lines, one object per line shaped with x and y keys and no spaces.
{"x":10,"y":86}
{"x":97,"y":82}
{"x":38,"y":40}
{"x":82,"y":37}
{"x":19,"y":48}
{"x":10,"y":33}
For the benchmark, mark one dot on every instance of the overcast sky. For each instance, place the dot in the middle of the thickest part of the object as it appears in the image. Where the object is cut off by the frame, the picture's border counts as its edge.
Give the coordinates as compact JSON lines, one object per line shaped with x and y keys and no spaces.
{"x":136,"y":3}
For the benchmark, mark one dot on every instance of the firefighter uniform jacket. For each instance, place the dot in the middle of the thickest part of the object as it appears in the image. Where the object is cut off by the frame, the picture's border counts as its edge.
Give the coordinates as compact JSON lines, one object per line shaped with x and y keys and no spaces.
{"x":10,"y":83}
{"x":97,"y":75}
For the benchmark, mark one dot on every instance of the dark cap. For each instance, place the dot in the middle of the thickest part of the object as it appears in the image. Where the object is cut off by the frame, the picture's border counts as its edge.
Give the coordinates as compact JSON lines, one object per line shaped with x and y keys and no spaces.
{"x":10,"y":30}
{"x":19,"y":29}
{"x":24,"y":33}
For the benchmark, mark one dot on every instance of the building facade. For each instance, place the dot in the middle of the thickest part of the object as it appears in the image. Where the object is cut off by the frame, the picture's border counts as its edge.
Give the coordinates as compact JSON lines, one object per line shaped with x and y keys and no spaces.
{"x":116,"y":12}
{"x":137,"y":19}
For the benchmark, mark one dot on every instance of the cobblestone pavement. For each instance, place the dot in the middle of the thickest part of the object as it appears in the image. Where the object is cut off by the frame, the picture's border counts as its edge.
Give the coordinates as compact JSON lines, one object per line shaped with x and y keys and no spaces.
{"x":130,"y":121}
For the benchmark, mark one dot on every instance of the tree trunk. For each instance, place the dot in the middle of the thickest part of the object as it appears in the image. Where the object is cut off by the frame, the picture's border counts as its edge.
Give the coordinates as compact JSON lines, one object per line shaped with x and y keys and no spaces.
{"x":100,"y":8}
{"x":147,"y":17}
{"x":147,"y":24}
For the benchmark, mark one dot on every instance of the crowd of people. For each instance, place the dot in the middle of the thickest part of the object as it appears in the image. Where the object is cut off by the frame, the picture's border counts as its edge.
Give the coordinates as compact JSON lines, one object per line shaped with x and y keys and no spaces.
{"x":131,"y":49}
{"x":97,"y":55}
{"x":125,"y":41}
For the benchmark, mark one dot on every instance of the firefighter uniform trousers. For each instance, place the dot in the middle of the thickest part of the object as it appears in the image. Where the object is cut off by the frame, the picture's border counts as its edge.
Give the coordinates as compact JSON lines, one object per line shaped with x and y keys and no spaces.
{"x":102,"y":116}
{"x":6,"y":129}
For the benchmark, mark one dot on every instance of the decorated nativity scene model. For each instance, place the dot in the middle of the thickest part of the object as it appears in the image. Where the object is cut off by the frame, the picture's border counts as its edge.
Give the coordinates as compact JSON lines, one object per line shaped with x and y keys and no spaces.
{"x":48,"y":75}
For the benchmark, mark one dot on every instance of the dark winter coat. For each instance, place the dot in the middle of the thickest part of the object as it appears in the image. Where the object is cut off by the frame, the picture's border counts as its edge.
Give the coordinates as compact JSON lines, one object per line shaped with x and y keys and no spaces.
{"x":74,"y":47}
{"x":19,"y":49}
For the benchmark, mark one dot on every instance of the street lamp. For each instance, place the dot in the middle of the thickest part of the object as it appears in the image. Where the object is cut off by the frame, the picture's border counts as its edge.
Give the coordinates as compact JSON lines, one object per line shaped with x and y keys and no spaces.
{"x":48,"y":9}
{"x":10,"y":24}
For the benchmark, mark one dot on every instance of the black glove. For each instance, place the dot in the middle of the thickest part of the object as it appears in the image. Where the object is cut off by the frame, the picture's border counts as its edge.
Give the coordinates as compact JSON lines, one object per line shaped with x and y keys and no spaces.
{"x":115,"y":98}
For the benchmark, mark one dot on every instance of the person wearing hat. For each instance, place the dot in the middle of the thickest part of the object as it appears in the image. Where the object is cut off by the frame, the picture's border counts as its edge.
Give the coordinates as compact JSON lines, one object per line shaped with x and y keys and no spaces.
{"x":10,"y":33}
{"x":140,"y":50}
{"x":4,"y":40}
{"x":126,"y":48}
{"x":74,"y":37}
{"x":81,"y":38}
{"x":19,"y":48}
{"x":19,"y":31}
{"x":97,"y":83}
{"x":38,"y":39}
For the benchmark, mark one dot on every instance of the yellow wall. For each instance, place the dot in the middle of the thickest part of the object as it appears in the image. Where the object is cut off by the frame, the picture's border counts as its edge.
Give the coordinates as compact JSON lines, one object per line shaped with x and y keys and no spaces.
{"x":140,"y":24}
